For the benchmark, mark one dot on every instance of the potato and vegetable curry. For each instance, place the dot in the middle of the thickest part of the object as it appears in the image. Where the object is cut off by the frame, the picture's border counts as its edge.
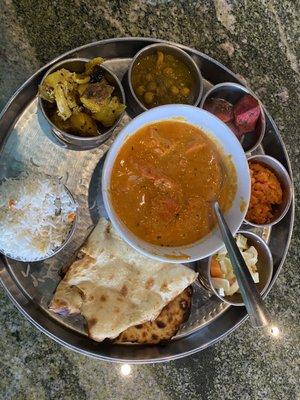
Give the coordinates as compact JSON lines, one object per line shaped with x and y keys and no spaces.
{"x":161,"y":78}
{"x":81,"y":104}
{"x":164,"y":179}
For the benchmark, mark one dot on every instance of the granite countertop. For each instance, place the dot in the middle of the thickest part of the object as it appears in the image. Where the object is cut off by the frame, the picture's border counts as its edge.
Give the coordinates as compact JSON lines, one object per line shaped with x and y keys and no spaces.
{"x":258,"y":40}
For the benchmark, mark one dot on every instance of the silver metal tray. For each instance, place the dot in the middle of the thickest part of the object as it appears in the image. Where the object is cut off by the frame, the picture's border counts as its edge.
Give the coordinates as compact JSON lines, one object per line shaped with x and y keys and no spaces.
{"x":26,"y":144}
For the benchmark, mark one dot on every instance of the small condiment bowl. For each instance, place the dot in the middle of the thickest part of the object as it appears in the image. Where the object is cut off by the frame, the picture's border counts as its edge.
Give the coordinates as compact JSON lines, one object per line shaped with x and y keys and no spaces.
{"x":79,"y":142}
{"x":286,"y":185}
{"x":233,"y":92}
{"x":264,"y":268}
{"x":57,"y":249}
{"x":197,"y":90}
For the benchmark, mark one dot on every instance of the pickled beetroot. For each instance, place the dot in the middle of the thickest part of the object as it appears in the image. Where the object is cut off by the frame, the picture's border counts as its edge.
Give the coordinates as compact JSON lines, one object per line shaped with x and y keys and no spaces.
{"x":241,"y":118}
{"x":231,"y":125}
{"x":246,"y":113}
{"x":220,"y":108}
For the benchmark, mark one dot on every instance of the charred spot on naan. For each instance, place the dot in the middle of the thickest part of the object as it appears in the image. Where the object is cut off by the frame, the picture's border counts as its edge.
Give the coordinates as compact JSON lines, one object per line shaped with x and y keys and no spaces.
{"x":164,"y":287}
{"x":165,"y":326}
{"x":149,"y":283}
{"x":67,"y":300}
{"x":124,"y":290}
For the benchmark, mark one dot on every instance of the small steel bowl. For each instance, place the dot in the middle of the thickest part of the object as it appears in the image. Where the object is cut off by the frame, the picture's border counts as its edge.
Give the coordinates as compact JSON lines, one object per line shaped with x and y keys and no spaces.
{"x":197,"y":90}
{"x":80,"y":142}
{"x":57,"y":249}
{"x":233,"y":92}
{"x":286,"y":185}
{"x":264,"y":267}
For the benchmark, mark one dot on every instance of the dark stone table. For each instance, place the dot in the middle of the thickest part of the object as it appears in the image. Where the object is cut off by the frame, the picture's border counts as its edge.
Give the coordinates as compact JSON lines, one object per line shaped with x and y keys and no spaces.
{"x":258,"y":40}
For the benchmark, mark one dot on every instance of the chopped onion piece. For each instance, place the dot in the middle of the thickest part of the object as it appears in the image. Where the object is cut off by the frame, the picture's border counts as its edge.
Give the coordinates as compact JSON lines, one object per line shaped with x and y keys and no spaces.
{"x":233,"y":289}
{"x":224,"y":265}
{"x":241,"y":242}
{"x":250,"y":256}
{"x":228,"y":285}
{"x":220,"y":283}
{"x":255,"y":277}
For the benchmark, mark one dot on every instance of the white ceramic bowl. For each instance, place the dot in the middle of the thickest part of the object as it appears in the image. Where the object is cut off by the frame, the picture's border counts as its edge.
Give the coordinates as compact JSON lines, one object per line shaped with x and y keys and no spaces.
{"x":231,"y":146}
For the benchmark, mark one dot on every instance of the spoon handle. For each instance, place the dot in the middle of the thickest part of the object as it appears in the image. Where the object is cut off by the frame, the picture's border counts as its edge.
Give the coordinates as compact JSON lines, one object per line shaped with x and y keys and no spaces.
{"x":259,"y":316}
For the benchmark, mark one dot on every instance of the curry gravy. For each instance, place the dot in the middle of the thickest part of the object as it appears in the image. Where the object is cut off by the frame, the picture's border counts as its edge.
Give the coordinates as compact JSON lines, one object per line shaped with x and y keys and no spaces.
{"x":164,"y":179}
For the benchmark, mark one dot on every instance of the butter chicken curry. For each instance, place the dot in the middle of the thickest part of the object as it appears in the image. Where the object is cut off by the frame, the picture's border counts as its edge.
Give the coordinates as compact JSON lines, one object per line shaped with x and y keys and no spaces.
{"x":164,"y":180}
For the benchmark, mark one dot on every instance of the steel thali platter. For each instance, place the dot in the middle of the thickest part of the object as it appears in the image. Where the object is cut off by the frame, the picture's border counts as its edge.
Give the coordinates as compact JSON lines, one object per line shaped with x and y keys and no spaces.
{"x":25,"y":141}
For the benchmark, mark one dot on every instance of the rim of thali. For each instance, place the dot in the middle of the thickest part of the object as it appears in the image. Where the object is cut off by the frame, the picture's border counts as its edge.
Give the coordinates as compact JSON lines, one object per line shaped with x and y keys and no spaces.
{"x":28,"y":305}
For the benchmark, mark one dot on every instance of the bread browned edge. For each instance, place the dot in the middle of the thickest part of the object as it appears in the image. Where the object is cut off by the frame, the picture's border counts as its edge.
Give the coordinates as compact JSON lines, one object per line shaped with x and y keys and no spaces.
{"x":165,"y":326}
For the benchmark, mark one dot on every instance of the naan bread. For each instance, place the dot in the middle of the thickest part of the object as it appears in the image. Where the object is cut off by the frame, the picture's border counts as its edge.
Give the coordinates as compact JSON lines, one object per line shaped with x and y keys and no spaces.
{"x":165,"y":326}
{"x":114,"y":287}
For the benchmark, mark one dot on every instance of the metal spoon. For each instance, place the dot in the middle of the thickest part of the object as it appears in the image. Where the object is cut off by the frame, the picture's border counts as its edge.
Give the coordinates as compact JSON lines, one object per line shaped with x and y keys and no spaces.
{"x":259,"y":316}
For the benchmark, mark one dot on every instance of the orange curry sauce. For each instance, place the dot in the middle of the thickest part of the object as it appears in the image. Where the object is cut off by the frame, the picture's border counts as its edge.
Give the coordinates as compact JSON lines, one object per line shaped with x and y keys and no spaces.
{"x":163,"y":181}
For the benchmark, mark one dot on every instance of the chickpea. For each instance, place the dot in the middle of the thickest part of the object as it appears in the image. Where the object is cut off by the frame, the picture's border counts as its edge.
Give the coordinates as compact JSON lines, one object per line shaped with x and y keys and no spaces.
{"x":140,"y":90}
{"x":149,"y":77}
{"x":168,"y":83}
{"x":160,"y":59}
{"x":152,"y":86}
{"x":168,"y":71}
{"x":149,"y":97}
{"x":174,"y":90}
{"x":185,"y":91}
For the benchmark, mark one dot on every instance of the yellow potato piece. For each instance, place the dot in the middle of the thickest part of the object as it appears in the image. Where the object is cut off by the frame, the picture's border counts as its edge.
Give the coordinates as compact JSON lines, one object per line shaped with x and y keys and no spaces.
{"x":60,"y":123}
{"x":80,"y":78}
{"x":91,"y":104}
{"x":82,"y":88}
{"x":109,"y":112}
{"x":83,"y":125}
{"x":58,"y":77}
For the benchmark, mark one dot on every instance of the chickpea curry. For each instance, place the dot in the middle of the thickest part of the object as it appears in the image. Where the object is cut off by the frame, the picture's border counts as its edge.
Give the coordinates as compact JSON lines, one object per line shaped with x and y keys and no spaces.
{"x":161,"y":78}
{"x":164,"y":179}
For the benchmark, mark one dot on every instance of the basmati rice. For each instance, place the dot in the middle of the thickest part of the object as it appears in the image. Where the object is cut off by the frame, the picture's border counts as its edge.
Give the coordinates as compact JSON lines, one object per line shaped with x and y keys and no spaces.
{"x":36,"y":215}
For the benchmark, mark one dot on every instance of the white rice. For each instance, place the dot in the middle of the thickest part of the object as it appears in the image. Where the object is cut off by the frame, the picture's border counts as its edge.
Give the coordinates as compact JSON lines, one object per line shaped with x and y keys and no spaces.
{"x":34,"y":212}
